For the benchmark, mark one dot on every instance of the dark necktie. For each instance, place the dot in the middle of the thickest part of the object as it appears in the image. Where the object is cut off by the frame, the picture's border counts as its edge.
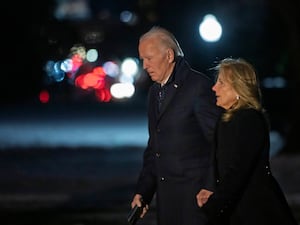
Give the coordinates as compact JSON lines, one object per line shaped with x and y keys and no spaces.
{"x":161,"y":96}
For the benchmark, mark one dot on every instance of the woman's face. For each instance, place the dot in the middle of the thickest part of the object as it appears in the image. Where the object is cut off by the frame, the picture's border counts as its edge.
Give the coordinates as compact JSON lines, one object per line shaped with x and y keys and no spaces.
{"x":225,"y":94}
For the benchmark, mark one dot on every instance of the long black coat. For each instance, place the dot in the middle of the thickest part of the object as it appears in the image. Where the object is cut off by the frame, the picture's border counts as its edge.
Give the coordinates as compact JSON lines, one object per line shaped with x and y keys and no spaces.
{"x":246,"y":193}
{"x":177,"y":158}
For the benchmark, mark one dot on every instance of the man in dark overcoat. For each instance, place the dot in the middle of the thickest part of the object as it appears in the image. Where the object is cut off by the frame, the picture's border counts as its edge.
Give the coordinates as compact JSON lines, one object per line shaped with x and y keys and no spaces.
{"x":181,"y":119}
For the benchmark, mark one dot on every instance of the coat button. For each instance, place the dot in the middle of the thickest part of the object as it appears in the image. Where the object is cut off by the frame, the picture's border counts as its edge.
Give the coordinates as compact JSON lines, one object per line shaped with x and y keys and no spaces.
{"x":268,"y":170}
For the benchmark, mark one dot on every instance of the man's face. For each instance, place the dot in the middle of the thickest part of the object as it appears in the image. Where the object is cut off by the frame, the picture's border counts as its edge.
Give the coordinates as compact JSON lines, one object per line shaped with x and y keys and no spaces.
{"x":155,"y":59}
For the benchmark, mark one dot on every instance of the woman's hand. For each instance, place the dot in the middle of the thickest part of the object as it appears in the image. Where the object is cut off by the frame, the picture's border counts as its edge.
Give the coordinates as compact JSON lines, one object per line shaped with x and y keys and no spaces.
{"x":202,"y":197}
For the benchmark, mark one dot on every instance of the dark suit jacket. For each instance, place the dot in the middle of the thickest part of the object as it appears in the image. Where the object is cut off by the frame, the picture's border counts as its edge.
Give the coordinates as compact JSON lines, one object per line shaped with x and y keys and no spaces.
{"x":177,"y":158}
{"x":246,"y":192}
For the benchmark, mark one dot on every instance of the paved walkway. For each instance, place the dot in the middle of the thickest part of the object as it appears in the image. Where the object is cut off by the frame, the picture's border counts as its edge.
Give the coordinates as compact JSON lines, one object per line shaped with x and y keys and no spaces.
{"x":90,"y":186}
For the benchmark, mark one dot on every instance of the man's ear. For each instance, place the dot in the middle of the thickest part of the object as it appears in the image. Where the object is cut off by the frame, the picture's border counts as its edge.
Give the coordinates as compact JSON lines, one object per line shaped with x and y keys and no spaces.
{"x":171,"y":55}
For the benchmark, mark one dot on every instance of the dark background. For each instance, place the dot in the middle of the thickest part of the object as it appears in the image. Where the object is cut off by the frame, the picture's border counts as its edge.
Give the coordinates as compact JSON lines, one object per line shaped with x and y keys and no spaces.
{"x":67,"y":183}
{"x":266,"y":33}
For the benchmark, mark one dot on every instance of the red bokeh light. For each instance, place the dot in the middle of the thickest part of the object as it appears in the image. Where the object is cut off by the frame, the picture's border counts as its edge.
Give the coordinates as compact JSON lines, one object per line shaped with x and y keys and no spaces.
{"x":44,"y":96}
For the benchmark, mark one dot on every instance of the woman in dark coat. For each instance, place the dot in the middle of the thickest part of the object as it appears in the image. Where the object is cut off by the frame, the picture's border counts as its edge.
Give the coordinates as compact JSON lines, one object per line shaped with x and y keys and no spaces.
{"x":182,"y":115}
{"x":246,"y":192}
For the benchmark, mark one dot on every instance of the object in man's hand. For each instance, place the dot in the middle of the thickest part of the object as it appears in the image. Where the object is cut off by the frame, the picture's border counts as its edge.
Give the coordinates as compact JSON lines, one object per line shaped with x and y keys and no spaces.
{"x":135,"y":213}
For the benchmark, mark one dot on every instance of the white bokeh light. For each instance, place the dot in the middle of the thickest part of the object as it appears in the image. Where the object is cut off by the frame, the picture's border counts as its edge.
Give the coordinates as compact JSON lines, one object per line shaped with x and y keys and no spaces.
{"x":122,"y":90}
{"x":210,"y":29}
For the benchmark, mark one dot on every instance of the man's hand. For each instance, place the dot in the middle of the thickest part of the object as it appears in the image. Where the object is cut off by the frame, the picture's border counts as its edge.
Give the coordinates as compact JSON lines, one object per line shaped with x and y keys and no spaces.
{"x":137,"y":200}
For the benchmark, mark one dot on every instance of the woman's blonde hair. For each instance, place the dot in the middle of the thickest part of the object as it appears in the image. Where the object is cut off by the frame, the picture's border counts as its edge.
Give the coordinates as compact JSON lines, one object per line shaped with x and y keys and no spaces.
{"x":242,"y":77}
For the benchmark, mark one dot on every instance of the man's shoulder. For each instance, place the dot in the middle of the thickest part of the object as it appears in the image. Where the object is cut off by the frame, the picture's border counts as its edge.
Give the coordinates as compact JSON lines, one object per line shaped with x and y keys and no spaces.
{"x":185,"y":71}
{"x":197,"y":75}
